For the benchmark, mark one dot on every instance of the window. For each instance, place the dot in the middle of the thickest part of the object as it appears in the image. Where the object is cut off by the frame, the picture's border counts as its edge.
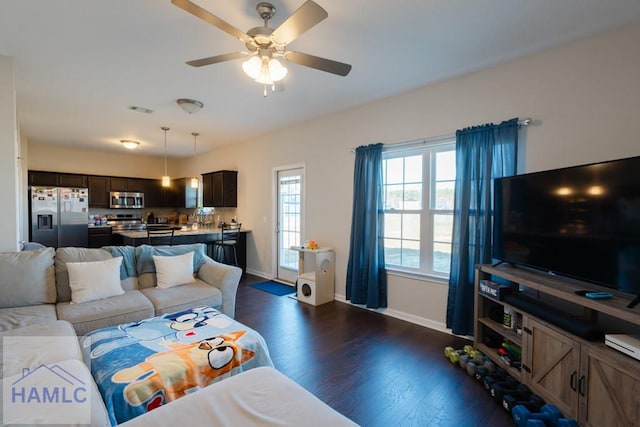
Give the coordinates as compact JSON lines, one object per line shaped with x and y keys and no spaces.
{"x":418,"y":186}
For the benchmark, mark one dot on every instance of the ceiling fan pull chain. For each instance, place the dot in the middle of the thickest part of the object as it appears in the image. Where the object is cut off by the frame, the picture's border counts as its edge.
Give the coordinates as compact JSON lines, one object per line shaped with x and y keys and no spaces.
{"x":264,"y":93}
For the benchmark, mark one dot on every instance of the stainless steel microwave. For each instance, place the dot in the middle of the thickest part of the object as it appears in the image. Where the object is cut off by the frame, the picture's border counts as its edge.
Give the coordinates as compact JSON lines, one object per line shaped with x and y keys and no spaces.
{"x":120,"y":199}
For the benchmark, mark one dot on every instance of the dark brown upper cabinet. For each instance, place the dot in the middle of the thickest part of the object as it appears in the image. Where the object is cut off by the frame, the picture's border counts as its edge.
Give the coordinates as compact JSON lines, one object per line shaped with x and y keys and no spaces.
{"x":220,"y":189}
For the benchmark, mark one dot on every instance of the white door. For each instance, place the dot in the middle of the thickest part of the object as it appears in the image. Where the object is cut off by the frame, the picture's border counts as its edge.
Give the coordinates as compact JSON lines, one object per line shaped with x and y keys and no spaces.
{"x":289,"y":221}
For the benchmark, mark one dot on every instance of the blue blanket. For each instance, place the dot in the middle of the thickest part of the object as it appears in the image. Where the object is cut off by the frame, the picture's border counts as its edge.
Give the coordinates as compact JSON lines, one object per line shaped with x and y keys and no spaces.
{"x":145,"y":253}
{"x":142,"y":365}
{"x":128,"y":254}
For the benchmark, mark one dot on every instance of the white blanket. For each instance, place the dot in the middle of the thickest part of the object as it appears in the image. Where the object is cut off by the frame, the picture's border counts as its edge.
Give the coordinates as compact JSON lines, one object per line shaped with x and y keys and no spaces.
{"x":258,"y":397}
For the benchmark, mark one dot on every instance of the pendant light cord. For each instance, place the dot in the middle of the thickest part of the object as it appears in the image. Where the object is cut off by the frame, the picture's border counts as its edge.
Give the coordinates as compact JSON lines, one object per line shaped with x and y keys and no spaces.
{"x":195,"y":135}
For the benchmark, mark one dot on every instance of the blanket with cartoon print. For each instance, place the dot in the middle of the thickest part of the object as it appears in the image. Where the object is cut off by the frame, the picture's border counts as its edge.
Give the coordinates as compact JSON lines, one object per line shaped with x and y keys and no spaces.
{"x":142,"y":365}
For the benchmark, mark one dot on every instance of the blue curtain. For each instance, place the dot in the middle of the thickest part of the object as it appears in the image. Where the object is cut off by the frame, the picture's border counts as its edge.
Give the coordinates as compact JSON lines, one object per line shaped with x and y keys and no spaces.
{"x":482,"y":154}
{"x":366,"y":274}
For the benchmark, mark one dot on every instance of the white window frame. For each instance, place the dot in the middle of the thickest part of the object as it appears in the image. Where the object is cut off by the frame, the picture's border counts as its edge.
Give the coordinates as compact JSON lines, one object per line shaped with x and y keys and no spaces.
{"x":428,"y":211}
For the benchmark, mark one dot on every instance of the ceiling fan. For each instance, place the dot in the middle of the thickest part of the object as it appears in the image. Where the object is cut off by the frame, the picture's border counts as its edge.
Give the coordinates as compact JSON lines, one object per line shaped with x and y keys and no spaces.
{"x":266,"y":44}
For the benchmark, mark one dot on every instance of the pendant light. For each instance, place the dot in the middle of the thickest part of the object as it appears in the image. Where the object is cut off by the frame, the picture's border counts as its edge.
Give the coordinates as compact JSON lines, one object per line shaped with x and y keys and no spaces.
{"x":194,"y":180}
{"x":166,"y":180}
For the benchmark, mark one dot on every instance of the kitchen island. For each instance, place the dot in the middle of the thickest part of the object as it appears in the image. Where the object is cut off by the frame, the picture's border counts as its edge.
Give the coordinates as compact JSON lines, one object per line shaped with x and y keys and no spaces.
{"x":183,"y":235}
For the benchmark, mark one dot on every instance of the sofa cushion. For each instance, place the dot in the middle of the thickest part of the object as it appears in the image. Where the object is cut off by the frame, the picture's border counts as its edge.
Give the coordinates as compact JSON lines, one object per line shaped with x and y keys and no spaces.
{"x":94,"y":280}
{"x":146,"y":267}
{"x":27,"y":278}
{"x":86,"y":317}
{"x":19,"y":317}
{"x":173,"y":270}
{"x":72,"y":254}
{"x":182,"y":297}
{"x":37,"y":345}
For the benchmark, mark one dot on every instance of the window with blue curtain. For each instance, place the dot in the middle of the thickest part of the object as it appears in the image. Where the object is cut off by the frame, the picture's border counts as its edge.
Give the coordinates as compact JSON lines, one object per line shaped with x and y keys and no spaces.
{"x":482,"y":154}
{"x":366,"y":274}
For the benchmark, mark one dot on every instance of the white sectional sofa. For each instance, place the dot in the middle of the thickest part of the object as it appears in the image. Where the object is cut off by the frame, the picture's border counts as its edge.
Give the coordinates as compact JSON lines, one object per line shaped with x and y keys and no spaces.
{"x":45,"y":306}
{"x":34,"y":286}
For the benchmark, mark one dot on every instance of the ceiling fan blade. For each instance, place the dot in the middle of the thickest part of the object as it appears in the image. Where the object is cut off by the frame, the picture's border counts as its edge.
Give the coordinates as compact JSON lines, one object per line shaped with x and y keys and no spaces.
{"x":215,"y":59}
{"x":318,"y":63}
{"x":206,"y":16}
{"x":305,"y":17}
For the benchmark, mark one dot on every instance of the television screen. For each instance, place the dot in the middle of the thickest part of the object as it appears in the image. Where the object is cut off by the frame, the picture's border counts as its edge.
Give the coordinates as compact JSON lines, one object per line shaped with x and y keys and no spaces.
{"x":582,"y":222}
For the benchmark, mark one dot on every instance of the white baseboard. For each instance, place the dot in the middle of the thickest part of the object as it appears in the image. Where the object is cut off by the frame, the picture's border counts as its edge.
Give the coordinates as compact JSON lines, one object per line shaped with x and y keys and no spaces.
{"x":411,"y":318}
{"x":259,"y":274}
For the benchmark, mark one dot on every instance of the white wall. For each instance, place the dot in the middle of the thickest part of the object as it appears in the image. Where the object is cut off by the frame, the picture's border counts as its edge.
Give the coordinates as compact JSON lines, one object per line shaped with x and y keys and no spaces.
{"x":75,"y":160}
{"x":10,"y":230}
{"x":584,"y":96}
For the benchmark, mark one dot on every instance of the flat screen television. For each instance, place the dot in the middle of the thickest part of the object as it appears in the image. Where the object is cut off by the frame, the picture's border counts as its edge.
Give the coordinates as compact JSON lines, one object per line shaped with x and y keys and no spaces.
{"x":581,"y":222}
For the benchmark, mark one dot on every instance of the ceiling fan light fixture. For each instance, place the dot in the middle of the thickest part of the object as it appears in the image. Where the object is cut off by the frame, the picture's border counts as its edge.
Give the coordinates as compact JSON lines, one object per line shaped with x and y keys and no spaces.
{"x":129,"y":143}
{"x":252,"y":66}
{"x":190,"y":106}
{"x":277,"y":71}
{"x":264,"y":70}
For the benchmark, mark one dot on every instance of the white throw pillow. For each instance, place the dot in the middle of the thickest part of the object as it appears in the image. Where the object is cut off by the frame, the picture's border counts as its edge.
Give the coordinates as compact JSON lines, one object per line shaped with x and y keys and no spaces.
{"x":90,"y":281}
{"x":174,"y":270}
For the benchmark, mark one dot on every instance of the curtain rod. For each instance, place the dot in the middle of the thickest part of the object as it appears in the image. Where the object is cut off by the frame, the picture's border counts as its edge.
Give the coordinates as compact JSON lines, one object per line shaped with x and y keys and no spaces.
{"x":524,"y":122}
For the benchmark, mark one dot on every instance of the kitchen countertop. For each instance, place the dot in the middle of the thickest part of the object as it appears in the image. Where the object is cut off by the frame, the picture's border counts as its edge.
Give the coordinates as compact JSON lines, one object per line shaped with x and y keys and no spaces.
{"x":189,"y":232}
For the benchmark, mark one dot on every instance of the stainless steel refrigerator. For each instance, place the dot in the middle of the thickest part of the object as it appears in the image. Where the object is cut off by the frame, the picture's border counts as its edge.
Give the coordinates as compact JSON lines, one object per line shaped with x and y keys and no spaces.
{"x":59,"y":216}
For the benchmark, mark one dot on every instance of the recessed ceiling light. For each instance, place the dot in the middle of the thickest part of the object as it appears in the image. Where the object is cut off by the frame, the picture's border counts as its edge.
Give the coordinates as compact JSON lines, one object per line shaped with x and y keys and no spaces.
{"x":140,"y":109}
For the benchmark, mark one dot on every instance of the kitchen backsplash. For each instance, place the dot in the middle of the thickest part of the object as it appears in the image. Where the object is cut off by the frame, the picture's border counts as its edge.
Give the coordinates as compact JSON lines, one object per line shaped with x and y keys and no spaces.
{"x":220,"y":214}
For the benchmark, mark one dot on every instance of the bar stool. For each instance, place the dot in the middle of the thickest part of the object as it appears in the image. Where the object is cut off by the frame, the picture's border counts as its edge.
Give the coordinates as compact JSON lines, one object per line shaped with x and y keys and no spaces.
{"x":229,"y":235}
{"x":160,"y":235}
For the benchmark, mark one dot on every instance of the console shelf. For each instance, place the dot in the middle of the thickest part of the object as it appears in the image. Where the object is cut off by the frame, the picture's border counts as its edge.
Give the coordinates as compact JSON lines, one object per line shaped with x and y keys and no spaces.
{"x":585,"y":379}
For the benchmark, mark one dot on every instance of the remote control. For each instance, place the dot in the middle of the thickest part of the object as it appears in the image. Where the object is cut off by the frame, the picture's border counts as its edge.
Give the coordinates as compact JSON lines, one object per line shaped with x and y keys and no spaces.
{"x":598,"y":295}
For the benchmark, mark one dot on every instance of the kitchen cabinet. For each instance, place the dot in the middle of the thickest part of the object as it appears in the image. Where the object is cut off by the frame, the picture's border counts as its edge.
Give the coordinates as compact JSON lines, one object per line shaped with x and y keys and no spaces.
{"x":184,"y":195}
{"x":583,"y":378}
{"x":179,"y":195}
{"x":99,"y":237}
{"x":118,"y":184}
{"x":55,"y":179}
{"x":72,"y":180}
{"x":220,"y":189}
{"x":43,"y":178}
{"x":98,"y":191}
{"x":153,"y":196}
{"x":134,"y":185}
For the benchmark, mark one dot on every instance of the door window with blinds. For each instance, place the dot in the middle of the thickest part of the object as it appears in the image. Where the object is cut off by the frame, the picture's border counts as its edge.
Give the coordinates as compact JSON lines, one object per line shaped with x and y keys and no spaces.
{"x":418,"y":186}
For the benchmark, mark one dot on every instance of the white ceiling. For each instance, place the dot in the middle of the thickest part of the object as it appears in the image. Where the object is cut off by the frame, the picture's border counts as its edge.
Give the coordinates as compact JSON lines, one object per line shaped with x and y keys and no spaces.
{"x":79,"y":64}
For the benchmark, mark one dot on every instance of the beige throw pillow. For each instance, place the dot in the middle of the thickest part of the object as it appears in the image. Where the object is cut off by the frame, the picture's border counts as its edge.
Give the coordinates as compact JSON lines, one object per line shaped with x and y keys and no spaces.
{"x":94,"y":280}
{"x":174,"y":270}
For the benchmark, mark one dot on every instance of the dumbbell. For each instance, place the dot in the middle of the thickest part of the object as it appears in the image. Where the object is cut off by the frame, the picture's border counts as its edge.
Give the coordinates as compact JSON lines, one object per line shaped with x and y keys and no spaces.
{"x":473,"y":358}
{"x":499,"y":390}
{"x":482,"y":371}
{"x":452,"y":354}
{"x":499,"y":375}
{"x":470,"y":353}
{"x":548,"y":415}
{"x":533,"y":402}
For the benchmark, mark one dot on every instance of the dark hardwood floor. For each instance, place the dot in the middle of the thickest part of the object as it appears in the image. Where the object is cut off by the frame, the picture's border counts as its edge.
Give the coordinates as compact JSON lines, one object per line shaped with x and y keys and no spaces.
{"x":374,"y":369}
